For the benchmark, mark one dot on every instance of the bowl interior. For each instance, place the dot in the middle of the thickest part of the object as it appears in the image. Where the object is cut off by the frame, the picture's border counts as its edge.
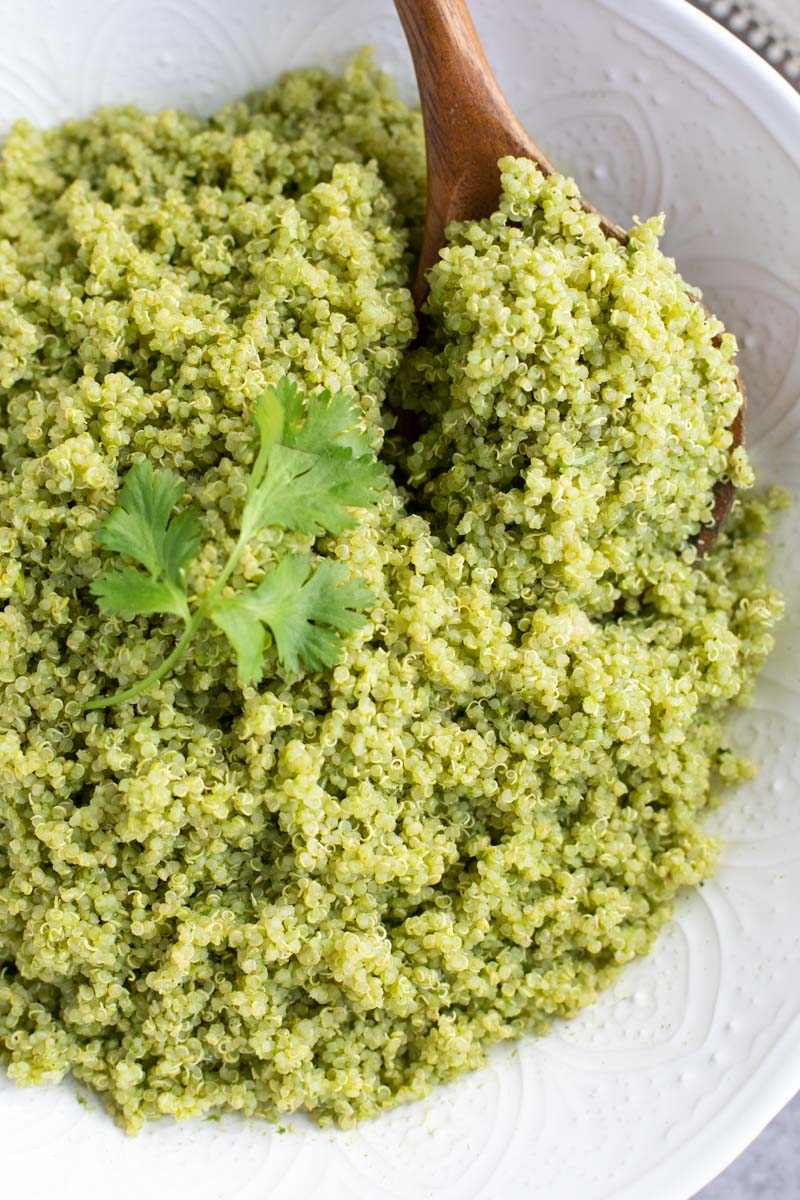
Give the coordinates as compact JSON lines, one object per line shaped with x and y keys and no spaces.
{"x":652,"y":108}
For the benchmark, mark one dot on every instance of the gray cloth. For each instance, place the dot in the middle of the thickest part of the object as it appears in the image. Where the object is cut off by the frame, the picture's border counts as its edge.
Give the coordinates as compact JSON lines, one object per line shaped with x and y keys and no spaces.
{"x":772,"y":27}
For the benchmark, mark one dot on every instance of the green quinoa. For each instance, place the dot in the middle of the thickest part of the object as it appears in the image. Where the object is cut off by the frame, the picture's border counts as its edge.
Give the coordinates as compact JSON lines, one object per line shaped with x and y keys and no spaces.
{"x":332,"y":891}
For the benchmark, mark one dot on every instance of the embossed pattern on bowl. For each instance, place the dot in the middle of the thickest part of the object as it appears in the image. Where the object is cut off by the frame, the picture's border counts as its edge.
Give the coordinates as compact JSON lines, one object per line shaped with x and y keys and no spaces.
{"x":663,"y":1082}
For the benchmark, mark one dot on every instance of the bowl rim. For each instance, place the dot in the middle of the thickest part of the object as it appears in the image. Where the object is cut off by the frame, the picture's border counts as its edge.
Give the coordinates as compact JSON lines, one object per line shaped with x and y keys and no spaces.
{"x":705,"y":1155}
{"x":681,"y":1173}
{"x":759,"y":79}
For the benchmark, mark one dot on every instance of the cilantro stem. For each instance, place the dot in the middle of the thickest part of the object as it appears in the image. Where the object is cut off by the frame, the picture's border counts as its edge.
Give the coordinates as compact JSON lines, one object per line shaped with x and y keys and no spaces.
{"x":231,"y":564}
{"x":181,"y":646}
{"x":192,"y":623}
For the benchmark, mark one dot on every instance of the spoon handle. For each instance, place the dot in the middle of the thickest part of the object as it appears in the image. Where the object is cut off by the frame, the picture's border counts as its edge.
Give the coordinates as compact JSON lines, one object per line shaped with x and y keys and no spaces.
{"x":469,"y":123}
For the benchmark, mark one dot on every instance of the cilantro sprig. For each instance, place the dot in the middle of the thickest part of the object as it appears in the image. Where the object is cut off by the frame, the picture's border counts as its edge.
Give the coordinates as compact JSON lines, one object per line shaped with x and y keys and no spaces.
{"x":314,"y":466}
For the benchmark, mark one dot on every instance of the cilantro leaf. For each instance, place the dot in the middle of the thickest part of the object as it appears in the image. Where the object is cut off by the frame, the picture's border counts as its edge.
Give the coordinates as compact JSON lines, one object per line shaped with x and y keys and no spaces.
{"x":313,"y":466}
{"x":305,"y":611}
{"x":269,"y":418}
{"x":245,"y":632}
{"x":332,"y":420}
{"x":139,"y":525}
{"x":313,"y":493}
{"x":129,"y":593}
{"x":142,"y":527}
{"x":181,"y":544}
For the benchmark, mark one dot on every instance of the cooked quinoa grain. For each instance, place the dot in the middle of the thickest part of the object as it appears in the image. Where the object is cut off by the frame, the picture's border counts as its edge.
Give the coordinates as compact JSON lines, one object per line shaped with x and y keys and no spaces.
{"x":582,"y":400}
{"x":333,"y":891}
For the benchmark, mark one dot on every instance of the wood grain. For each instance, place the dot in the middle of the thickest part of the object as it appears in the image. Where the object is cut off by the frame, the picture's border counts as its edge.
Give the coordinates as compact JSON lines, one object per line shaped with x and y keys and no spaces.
{"x":469,"y":124}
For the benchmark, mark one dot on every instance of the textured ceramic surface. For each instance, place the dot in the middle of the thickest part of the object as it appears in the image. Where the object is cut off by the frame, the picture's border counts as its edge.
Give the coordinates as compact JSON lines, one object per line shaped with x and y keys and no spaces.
{"x":663,"y":1082}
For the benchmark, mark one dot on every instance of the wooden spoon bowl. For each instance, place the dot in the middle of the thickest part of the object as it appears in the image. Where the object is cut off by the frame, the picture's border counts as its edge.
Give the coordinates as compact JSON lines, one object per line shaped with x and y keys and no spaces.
{"x":469,"y":126}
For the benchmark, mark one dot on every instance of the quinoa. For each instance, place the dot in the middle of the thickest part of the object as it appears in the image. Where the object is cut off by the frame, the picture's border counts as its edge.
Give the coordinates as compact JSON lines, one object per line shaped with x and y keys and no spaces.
{"x":332,"y":891}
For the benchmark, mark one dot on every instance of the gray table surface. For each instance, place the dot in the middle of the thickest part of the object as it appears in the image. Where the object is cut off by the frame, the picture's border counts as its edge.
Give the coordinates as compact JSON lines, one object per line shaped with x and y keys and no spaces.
{"x":770,"y":1168}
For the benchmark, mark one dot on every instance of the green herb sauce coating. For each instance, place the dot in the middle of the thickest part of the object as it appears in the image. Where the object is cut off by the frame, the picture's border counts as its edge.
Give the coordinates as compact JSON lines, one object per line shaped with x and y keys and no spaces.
{"x":335,"y":889}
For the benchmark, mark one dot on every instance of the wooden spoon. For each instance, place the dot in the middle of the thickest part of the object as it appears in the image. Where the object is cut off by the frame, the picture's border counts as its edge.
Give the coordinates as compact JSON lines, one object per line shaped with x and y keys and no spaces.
{"x":469,"y":125}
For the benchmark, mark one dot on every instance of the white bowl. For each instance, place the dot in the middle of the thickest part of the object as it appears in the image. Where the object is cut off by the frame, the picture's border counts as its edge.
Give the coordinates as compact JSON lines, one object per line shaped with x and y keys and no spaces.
{"x":661,"y":1084}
